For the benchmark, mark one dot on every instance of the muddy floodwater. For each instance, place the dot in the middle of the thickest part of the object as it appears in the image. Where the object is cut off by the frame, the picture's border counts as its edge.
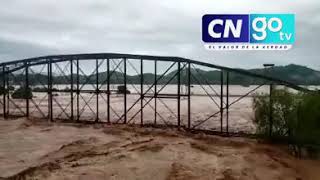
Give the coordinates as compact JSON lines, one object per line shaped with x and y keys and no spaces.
{"x":31,"y":149}
{"x":205,"y":105}
{"x":39,"y":149}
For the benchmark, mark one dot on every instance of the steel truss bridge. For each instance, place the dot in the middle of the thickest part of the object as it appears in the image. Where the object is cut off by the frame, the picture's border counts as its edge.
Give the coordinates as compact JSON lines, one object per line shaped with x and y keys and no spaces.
{"x":165,"y":91}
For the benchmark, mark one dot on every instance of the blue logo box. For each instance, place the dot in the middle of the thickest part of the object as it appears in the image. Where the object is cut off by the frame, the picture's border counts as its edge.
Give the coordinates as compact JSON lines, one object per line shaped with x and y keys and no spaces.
{"x":249,"y":28}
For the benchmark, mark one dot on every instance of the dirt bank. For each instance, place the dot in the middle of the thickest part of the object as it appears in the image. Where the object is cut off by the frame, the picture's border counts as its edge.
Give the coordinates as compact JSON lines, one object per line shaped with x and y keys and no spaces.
{"x":72,"y":151}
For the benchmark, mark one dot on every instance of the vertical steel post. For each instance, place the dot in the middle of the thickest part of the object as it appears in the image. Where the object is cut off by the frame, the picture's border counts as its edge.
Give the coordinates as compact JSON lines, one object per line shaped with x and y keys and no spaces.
{"x":270,"y":110}
{"x":179,"y":83}
{"x":155,"y":91}
{"x":8,"y":94}
{"x":78,"y":91}
{"x":227,"y":102}
{"x":221,"y":101}
{"x":27,"y":87}
{"x":108,"y":89}
{"x":141,"y":92}
{"x":48,"y":87}
{"x":97,"y":90}
{"x":50,"y":90}
{"x":4,"y":90}
{"x":125,"y":91}
{"x":189,"y":93}
{"x":71,"y":89}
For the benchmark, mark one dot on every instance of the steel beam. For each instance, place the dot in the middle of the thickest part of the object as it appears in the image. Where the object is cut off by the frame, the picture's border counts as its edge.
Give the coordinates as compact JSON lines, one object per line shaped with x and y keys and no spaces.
{"x":27,"y":88}
{"x":71,"y":89}
{"x":141,"y":92}
{"x":125,"y":92}
{"x":179,"y":88}
{"x":48,"y":87}
{"x":8,"y":94}
{"x":4,"y":90}
{"x":78,"y":91}
{"x":189,"y":94}
{"x":155,"y":91}
{"x":108,"y":89}
{"x":50,"y":91}
{"x":221,"y":101}
{"x":97,"y":90}
{"x":227,"y":105}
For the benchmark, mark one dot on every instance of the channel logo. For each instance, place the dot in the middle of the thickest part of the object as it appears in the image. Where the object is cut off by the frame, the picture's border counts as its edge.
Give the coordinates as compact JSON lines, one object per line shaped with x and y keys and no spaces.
{"x":248,"y":31}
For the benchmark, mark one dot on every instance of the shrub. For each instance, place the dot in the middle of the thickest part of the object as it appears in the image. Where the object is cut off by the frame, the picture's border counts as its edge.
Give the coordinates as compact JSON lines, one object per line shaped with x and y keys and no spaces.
{"x":295,"y":117}
{"x":2,"y":90}
{"x":22,"y":93}
{"x":308,"y":127}
{"x":11,"y":88}
{"x":284,"y":115}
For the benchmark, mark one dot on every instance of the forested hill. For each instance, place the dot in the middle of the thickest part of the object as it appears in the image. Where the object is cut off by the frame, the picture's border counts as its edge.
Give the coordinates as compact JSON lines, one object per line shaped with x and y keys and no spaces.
{"x":293,"y":73}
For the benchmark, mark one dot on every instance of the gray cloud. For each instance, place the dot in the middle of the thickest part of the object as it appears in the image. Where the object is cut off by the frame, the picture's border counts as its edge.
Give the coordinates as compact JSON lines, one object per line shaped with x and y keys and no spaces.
{"x":34,"y":28}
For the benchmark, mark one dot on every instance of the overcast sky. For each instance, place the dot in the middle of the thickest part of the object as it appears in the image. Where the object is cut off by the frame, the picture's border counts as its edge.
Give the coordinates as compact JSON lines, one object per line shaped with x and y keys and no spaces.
{"x":31,"y":28}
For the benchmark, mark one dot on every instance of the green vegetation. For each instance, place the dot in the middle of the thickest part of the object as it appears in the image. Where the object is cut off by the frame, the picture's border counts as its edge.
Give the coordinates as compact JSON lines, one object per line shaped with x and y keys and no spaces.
{"x":295,"y":118}
{"x":2,"y":90}
{"x":284,"y":113}
{"x":11,"y":88}
{"x":22,"y":93}
{"x":308,"y":126}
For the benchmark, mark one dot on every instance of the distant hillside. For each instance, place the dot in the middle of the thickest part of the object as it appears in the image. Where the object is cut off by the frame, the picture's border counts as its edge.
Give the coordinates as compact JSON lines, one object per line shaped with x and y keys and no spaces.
{"x":293,"y":73}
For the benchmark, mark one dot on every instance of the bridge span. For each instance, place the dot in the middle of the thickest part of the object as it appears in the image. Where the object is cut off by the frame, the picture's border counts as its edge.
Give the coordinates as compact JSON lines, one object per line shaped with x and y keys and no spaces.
{"x":134,"y":89}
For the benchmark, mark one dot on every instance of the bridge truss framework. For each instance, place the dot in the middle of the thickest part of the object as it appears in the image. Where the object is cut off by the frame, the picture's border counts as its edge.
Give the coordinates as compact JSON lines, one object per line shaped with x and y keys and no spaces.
{"x":78,"y":100}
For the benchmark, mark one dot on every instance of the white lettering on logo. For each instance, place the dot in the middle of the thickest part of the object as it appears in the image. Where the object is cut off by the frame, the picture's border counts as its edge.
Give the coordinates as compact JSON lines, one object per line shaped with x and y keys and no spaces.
{"x":229,"y":27}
